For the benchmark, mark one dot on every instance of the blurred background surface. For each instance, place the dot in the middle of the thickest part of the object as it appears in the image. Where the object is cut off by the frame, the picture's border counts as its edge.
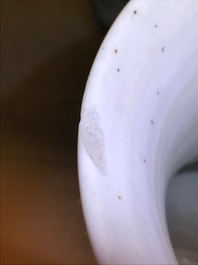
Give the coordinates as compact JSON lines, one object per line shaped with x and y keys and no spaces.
{"x":47,"y":49}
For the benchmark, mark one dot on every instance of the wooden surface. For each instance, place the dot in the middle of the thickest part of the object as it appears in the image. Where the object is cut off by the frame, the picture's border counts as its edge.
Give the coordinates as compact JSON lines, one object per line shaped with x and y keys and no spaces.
{"x":48,"y":47}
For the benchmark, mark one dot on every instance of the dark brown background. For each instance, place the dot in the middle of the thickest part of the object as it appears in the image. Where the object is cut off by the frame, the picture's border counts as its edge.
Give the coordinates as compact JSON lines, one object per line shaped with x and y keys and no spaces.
{"x":47,"y":49}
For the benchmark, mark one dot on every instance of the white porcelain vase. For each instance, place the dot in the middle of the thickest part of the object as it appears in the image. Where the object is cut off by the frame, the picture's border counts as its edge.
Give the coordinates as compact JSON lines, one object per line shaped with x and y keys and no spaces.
{"x":139,"y":125}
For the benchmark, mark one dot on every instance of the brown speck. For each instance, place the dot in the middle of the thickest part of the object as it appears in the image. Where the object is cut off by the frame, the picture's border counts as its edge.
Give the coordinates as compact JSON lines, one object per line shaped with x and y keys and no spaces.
{"x":116,"y":51}
{"x":158,"y":92}
{"x":152,"y":122}
{"x":118,"y":69}
{"x":162,"y":49}
{"x":135,"y":12}
{"x":119,"y":197}
{"x":144,"y":160}
{"x":155,"y":25}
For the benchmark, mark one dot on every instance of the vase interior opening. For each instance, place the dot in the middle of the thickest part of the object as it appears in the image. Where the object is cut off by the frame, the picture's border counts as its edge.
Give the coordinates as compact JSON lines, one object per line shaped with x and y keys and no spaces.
{"x":182,"y":213}
{"x":179,"y":172}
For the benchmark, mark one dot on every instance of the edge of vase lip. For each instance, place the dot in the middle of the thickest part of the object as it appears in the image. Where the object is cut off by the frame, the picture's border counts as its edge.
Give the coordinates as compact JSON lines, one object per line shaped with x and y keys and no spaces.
{"x":103,"y":51}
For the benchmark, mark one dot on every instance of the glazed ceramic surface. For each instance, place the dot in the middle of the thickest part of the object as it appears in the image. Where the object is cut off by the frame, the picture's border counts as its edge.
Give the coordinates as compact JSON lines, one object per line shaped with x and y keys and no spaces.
{"x":138,"y":127}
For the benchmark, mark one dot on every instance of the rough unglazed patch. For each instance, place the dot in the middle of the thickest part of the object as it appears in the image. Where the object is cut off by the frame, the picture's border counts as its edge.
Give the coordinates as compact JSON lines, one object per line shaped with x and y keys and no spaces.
{"x":92,"y":137}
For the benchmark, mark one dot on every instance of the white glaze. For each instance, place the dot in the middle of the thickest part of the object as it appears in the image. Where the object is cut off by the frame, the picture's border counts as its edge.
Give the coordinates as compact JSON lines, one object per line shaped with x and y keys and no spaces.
{"x":143,"y":88}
